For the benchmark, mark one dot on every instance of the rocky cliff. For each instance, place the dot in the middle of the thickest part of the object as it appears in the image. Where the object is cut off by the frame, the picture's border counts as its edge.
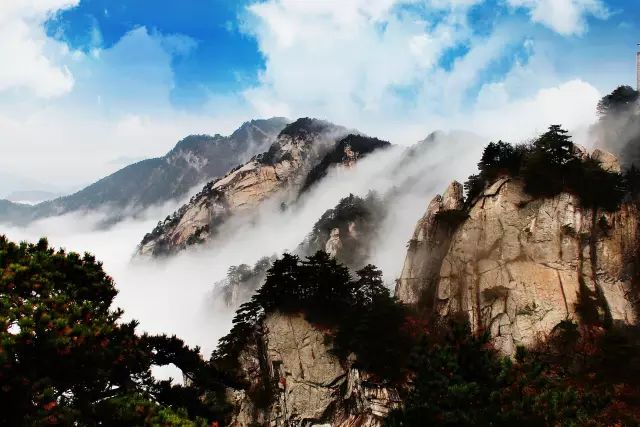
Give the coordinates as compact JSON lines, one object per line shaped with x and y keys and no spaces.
{"x":517,"y":265}
{"x":277,"y":175}
{"x":310,"y":385}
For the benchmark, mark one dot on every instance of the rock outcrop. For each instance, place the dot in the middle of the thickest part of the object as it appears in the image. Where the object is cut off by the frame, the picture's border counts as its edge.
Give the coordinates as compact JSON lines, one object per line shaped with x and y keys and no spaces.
{"x":277,"y":173}
{"x":333,"y":245}
{"x":311,"y":386}
{"x":346,"y":232}
{"x":517,"y":266}
{"x":301,"y":155}
{"x":427,"y":247}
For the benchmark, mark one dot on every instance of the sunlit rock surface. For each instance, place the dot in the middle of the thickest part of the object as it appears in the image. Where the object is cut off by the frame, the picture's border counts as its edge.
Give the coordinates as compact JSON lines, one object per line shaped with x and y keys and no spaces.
{"x":313,"y":386}
{"x":517,"y":266}
{"x":275,"y":174}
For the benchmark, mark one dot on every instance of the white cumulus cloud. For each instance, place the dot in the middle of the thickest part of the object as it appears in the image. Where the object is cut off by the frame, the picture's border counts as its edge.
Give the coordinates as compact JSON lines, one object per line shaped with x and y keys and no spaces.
{"x":378,"y":66}
{"x":30,"y":60}
{"x":567,"y":17}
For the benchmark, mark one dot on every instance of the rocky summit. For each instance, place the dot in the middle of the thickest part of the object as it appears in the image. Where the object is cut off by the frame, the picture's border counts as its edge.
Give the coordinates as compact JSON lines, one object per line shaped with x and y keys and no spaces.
{"x":301,"y":154}
{"x":194,"y":160}
{"x":518,"y":265}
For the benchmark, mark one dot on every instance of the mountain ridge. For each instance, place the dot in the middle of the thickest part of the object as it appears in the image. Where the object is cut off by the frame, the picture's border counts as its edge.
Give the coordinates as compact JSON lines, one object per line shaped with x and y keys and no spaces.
{"x":278,"y":174}
{"x":194,"y":159}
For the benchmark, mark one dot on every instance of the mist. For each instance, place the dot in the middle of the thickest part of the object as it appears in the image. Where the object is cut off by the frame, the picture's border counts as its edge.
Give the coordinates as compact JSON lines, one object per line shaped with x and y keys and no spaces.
{"x":174,"y":295}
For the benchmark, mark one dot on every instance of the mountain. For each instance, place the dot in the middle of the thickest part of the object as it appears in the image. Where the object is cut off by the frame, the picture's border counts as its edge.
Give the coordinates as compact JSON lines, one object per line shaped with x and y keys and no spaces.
{"x":518,"y":264}
{"x":195,"y":159}
{"x":347,"y":151}
{"x":346,"y":232}
{"x":523,"y":288}
{"x":31,"y":196}
{"x":278,"y":175}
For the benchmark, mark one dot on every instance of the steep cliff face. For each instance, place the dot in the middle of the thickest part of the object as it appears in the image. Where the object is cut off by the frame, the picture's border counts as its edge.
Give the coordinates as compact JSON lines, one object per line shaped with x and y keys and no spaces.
{"x":310,"y":385}
{"x":428,"y":246}
{"x":517,"y":265}
{"x":276,"y":173}
{"x":302,"y":153}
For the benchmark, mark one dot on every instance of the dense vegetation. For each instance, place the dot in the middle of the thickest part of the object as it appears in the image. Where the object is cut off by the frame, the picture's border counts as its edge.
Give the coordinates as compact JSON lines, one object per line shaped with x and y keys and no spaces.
{"x":358,"y":220}
{"x":243,"y":280}
{"x":548,"y":166}
{"x":66,"y":357}
{"x":361,"y":315}
{"x":585,"y":375}
{"x":580,"y":376}
{"x":306,"y":126}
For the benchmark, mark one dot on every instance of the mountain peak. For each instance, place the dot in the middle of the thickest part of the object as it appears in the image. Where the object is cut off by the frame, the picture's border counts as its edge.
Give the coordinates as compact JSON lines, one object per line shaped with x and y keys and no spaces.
{"x":308,"y":126}
{"x":263,"y":127}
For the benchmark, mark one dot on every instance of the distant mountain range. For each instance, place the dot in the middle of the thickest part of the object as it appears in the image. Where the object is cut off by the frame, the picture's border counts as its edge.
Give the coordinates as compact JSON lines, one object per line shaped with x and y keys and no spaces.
{"x":193,"y":161}
{"x":32,"y":197}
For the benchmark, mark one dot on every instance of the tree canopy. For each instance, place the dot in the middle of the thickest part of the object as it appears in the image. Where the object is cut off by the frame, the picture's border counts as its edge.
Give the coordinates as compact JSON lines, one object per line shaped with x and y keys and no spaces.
{"x":548,"y":166}
{"x":364,"y":318}
{"x":620,"y":100}
{"x":579,"y":376}
{"x":66,"y":356}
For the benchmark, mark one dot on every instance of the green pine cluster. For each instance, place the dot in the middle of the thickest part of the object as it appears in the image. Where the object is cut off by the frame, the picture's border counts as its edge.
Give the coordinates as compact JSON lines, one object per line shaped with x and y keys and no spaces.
{"x":67,"y":357}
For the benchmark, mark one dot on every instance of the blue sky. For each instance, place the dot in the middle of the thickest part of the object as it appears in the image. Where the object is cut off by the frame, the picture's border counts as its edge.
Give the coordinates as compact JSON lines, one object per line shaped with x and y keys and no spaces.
{"x":107,"y":80}
{"x":223,"y":58}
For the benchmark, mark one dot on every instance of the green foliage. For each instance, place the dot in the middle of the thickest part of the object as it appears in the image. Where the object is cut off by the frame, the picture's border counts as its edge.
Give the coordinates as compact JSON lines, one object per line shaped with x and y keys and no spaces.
{"x":65,"y":355}
{"x":364,"y":318}
{"x":473,"y":187}
{"x":620,"y":100}
{"x":451,"y":218}
{"x":306,"y":126}
{"x":358,"y":220}
{"x":549,"y":166}
{"x":461,"y":381}
{"x":500,"y":158}
{"x":243,"y":280}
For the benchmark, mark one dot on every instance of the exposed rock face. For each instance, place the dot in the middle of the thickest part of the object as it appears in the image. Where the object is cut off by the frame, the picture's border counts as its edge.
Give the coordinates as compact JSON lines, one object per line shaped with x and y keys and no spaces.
{"x":313,"y":387}
{"x":333,"y":245}
{"x":427,"y":247}
{"x":608,"y":161}
{"x":347,"y":231}
{"x":517,"y":266}
{"x":277,"y":173}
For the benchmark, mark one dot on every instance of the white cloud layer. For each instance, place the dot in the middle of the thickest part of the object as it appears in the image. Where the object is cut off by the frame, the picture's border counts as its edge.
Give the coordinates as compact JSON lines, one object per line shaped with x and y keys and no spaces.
{"x":567,"y":17}
{"x":118,"y":108}
{"x":378,"y":66}
{"x":375,"y":65}
{"x":30,"y":60}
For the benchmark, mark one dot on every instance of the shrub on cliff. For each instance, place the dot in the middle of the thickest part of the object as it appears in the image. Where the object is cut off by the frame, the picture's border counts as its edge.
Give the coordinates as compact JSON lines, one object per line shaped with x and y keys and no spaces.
{"x":358,"y":219}
{"x":549,"y":166}
{"x":362,"y":316}
{"x":66,"y":357}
